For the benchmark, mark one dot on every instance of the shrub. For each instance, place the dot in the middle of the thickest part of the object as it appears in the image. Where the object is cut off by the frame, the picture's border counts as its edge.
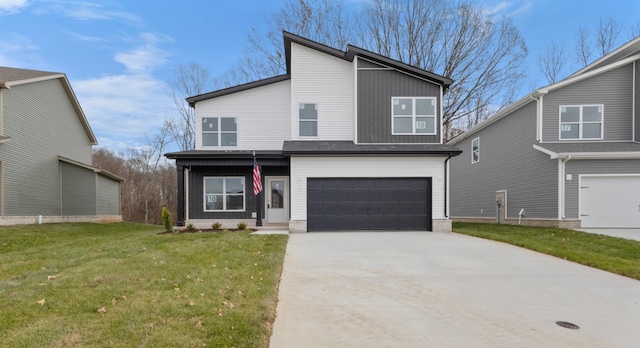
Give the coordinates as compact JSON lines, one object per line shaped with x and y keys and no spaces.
{"x":190,"y":228}
{"x":166,"y":219}
{"x":216,"y":225}
{"x":242,"y":225}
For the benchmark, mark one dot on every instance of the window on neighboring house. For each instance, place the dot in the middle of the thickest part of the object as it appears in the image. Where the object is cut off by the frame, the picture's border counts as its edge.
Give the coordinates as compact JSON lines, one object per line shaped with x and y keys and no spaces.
{"x":219,"y":131}
{"x":308,"y":117}
{"x":581,"y":122}
{"x":224,"y":194}
{"x":475,"y":150}
{"x":414,"y":115}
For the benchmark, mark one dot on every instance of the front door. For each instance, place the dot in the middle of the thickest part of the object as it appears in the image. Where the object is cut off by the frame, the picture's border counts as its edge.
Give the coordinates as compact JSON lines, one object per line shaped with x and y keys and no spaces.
{"x":277,"y":199}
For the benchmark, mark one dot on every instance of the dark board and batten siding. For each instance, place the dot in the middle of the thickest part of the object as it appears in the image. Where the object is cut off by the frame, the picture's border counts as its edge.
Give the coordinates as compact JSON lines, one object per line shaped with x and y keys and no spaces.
{"x":509,"y":162}
{"x":196,"y":183}
{"x":612,"y":89}
{"x":375,"y":89}
{"x":577,"y":167}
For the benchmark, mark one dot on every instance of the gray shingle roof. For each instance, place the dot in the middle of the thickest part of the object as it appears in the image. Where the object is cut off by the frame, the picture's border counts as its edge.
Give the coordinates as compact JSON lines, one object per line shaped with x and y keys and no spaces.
{"x":14,"y":74}
{"x":297,"y":147}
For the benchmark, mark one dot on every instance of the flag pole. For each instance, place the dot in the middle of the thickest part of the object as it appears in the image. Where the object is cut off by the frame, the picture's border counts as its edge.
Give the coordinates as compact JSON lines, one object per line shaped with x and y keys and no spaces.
{"x":257,"y":189}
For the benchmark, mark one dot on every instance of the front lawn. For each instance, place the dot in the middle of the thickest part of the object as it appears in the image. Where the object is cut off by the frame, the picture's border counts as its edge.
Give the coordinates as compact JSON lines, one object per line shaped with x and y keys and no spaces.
{"x":617,"y":255}
{"x":123,"y":285}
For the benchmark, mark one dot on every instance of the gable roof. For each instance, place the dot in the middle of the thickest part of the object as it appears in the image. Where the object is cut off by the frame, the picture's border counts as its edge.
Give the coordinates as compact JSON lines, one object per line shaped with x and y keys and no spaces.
{"x":347,"y":55}
{"x":624,"y":55}
{"x":13,"y":76}
{"x":353,"y":51}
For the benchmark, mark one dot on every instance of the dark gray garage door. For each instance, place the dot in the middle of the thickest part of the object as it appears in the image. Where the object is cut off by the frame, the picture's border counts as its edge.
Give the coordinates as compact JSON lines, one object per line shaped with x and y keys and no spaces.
{"x":337,"y":204}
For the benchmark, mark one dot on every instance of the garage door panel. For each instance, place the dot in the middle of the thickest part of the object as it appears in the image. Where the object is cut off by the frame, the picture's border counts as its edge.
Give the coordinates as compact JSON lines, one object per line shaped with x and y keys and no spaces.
{"x":610,"y":201}
{"x":368,"y":204}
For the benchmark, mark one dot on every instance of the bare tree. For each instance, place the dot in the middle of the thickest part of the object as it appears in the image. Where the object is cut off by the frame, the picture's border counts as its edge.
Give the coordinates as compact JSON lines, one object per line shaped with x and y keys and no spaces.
{"x":480,"y":52}
{"x":150,"y":181}
{"x":607,"y":35}
{"x":584,"y":49}
{"x":551,"y":63}
{"x":189,"y":80}
{"x":323,"y":21}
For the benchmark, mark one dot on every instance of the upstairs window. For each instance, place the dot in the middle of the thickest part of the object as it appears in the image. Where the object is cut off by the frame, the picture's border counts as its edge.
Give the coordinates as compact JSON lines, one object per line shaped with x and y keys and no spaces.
{"x":308,"y":120}
{"x":475,"y":150}
{"x":219,"y":131}
{"x":414,"y":115}
{"x":581,"y":122}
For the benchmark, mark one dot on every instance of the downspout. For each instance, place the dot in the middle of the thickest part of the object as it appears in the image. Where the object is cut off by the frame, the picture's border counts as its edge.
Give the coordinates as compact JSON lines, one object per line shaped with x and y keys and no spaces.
{"x":562,"y":185}
{"x":446,"y":187}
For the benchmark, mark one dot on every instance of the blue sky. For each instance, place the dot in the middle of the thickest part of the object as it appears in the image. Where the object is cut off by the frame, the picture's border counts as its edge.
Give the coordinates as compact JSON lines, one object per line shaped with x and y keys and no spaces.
{"x":118,"y":54}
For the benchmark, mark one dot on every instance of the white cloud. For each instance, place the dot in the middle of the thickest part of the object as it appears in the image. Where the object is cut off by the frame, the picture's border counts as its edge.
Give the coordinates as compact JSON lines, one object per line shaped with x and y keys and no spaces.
{"x":12,"y":6}
{"x":123,"y":109}
{"x":508,"y":8}
{"x":86,"y":11}
{"x":15,"y":50}
{"x":143,"y":58}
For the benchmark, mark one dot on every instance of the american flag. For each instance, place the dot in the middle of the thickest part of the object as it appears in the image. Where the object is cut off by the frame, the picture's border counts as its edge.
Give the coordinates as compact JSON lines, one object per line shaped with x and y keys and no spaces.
{"x":257,"y":180}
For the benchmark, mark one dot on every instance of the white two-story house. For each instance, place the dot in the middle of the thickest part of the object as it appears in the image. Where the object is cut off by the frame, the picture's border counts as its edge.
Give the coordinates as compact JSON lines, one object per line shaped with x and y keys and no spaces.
{"x":345,"y":140}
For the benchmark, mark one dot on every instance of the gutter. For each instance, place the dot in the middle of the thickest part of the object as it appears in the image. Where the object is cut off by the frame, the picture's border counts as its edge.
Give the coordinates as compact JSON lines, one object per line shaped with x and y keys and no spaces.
{"x":446,"y":188}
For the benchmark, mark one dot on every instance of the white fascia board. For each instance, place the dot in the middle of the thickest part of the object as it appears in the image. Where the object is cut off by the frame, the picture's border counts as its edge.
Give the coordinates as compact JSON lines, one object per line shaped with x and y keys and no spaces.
{"x":589,"y":155}
{"x":492,"y":119}
{"x":619,"y":49}
{"x":581,"y":77}
{"x":8,"y":84}
{"x":551,"y":154}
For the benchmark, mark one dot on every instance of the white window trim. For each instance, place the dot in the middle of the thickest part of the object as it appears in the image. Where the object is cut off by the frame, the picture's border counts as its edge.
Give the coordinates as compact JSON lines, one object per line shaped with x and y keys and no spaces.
{"x":413,"y":116}
{"x":316,"y":121}
{"x":580,"y":122}
{"x":478,"y":150}
{"x":219,"y":132}
{"x":224,"y":194}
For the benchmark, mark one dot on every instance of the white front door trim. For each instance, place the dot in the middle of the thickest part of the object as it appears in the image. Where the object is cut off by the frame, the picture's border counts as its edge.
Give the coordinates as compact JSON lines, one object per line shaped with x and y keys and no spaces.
{"x":276,"y":199}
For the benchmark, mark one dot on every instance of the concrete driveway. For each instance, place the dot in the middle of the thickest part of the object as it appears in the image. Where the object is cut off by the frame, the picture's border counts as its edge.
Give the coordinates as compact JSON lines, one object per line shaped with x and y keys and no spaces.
{"x":422,"y":289}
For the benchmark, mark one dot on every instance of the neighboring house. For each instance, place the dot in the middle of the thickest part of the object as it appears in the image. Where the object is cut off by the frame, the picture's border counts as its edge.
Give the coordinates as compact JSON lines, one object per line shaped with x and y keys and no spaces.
{"x":345,"y":140}
{"x":45,"y":148}
{"x":565,"y":155}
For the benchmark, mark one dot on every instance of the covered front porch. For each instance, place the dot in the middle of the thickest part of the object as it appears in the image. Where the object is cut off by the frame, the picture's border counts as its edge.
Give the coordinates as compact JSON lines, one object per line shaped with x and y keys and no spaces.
{"x":218,"y":186}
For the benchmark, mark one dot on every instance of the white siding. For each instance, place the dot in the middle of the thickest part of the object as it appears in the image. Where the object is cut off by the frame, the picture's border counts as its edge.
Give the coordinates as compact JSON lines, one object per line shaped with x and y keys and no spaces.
{"x":263,"y":116}
{"x":370,"y":167}
{"x":318,"y":78}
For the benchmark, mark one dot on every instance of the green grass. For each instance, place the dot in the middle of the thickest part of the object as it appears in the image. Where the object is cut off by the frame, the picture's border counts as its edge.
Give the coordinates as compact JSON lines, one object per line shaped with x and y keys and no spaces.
{"x":617,"y":255}
{"x":123,"y":284}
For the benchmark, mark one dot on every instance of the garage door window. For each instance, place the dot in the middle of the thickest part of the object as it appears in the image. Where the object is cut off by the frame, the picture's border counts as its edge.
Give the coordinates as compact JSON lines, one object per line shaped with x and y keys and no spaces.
{"x":224,"y":194}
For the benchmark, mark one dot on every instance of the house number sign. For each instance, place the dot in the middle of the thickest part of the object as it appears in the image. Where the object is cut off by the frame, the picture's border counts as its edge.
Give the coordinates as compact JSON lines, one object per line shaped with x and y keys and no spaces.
{"x":212,"y":199}
{"x":421,"y":124}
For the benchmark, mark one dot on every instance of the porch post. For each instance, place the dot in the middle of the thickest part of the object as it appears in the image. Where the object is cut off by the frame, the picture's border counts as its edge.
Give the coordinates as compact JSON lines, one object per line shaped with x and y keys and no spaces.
{"x":259,"y":199}
{"x":180,"y":220}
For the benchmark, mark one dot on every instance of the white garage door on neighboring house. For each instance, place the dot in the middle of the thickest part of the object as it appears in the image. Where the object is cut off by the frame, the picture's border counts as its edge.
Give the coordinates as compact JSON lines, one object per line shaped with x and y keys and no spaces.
{"x":610,"y":201}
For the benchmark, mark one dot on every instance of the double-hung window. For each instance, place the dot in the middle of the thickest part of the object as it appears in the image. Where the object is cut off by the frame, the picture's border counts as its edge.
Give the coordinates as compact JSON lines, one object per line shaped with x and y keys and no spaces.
{"x":219,"y":131}
{"x":475,"y":150}
{"x":414,"y":115}
{"x":308,"y":120}
{"x":224,"y":194}
{"x":581,"y":122}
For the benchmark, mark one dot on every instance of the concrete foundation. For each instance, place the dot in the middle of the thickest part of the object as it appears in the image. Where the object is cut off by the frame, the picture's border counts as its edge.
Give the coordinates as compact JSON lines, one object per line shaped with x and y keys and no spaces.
{"x":31,"y":220}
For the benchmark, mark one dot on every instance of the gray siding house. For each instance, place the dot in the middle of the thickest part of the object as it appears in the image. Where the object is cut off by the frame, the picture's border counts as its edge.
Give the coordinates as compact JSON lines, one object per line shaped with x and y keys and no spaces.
{"x":345,"y":140}
{"x":45,"y":151}
{"x":564,"y":155}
